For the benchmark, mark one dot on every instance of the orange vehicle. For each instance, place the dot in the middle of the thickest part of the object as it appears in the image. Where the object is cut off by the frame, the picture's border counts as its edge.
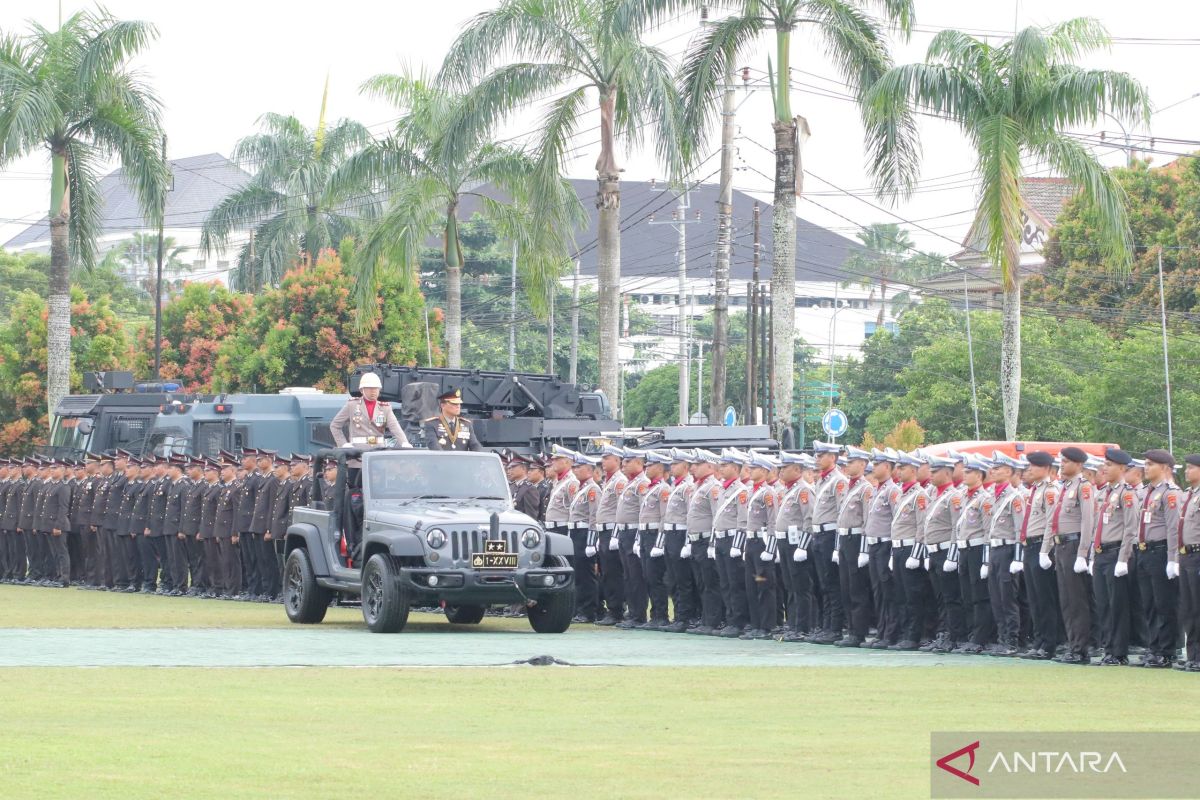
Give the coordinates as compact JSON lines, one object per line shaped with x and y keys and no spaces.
{"x":1017,"y":449}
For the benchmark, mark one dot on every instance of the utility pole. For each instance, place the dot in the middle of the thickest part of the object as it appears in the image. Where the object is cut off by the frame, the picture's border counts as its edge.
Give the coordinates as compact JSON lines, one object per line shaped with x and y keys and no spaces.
{"x":158,"y":281}
{"x":1162,"y":307}
{"x":763,"y":358}
{"x":971,"y":355}
{"x":512,"y":313}
{"x":769,"y":353}
{"x":724,"y":253}
{"x":751,"y":337}
{"x":680,"y":221}
{"x":575,"y":325}
{"x":700,"y":381}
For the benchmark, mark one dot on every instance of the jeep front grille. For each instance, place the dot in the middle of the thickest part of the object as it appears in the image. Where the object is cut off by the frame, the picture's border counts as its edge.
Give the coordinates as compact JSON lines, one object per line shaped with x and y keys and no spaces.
{"x":464,"y":543}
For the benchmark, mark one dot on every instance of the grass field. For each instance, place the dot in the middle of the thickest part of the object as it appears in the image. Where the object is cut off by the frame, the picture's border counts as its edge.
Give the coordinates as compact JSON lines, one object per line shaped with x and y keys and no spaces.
{"x":686,"y":732}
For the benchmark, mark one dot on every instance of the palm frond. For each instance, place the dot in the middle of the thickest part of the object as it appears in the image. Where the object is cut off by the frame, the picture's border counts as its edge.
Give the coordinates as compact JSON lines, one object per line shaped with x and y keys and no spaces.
{"x":83,"y":174}
{"x":114,"y":43}
{"x":138,"y":145}
{"x":247,"y":207}
{"x":651,"y":101}
{"x":1074,"y":96}
{"x":999,"y":217}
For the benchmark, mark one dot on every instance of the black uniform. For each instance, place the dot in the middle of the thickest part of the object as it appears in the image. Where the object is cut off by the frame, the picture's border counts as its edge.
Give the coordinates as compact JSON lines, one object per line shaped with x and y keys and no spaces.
{"x":228,"y":497}
{"x":260,"y":526}
{"x":456,"y":434}
{"x":251,"y":571}
{"x":56,"y":522}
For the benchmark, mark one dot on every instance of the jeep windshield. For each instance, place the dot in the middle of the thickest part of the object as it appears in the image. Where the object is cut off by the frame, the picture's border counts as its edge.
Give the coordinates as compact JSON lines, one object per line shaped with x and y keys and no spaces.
{"x":421,"y":474}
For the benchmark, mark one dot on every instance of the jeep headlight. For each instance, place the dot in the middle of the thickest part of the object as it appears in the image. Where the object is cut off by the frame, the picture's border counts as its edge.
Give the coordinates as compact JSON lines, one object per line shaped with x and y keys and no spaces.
{"x":531,"y":538}
{"x":436,"y":538}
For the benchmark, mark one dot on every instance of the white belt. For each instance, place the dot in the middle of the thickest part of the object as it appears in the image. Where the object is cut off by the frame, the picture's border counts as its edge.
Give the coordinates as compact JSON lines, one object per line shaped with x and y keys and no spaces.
{"x":849,"y":531}
{"x":577,"y":526}
{"x":942,"y":546}
{"x":975,"y":542}
{"x":781,"y":534}
{"x":723,"y":534}
{"x":693,"y":537}
{"x":761,"y":533}
{"x":649,"y":526}
{"x":877,"y":539}
{"x":1001,"y":542}
{"x":674,"y":526}
{"x":607,"y":526}
{"x":824,"y":527}
{"x":367,"y":440}
{"x":903,"y":542}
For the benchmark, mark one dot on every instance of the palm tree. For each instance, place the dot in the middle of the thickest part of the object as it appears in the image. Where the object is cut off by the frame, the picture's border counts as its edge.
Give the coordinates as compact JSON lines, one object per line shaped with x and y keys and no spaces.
{"x":71,"y":94}
{"x":288,"y":203}
{"x":140,"y":253}
{"x":884,"y":260}
{"x":578,"y":52}
{"x":856,"y":44}
{"x":1012,"y":100}
{"x":433,"y":160}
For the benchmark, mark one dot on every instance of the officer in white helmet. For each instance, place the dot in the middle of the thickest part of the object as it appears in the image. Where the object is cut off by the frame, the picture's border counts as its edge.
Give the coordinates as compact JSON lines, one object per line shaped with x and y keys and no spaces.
{"x":367,"y":422}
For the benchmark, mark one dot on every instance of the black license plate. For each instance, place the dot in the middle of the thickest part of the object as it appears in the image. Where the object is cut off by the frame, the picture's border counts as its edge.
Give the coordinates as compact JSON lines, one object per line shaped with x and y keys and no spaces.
{"x":494,"y":561}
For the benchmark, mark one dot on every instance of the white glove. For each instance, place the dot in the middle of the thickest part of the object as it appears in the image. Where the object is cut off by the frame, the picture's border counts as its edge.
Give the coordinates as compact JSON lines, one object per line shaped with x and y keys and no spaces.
{"x":637,"y":548}
{"x":657,"y":552}
{"x":1172,"y":570}
{"x":765,"y":556}
{"x":1015,"y":567}
{"x":614,"y":544}
{"x":983,"y":572}
{"x":590,"y":552}
{"x":949,"y":566}
{"x":686,"y":550}
{"x":925,"y":563}
{"x":891,"y":564}
{"x":735,"y":553}
{"x":778,"y":557}
{"x":912,"y":563}
{"x":712,"y":551}
{"x":800,"y":555}
{"x":837,"y":559}
{"x":863,"y":560}
{"x":1090,"y":567}
{"x":1081,"y":565}
{"x":1121,"y":569}
{"x":1044,"y":561}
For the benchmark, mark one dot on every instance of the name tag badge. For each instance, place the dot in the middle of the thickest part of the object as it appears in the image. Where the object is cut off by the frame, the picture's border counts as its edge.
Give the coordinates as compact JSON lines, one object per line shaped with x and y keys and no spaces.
{"x":793,"y":536}
{"x":1147,"y":516}
{"x":1106,"y":516}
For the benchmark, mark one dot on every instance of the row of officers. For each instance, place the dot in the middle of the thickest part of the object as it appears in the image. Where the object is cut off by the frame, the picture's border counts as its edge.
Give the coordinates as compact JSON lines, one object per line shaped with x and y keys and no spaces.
{"x":1065,"y":556}
{"x":178,"y":525}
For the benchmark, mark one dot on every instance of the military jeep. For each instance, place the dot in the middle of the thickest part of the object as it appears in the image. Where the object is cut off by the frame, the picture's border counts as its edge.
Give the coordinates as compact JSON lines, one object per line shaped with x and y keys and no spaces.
{"x":432,"y":528}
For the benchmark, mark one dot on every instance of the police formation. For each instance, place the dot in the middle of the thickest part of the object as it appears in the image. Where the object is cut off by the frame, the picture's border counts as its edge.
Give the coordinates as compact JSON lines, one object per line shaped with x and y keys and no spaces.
{"x":174,"y":526}
{"x":1065,"y":557}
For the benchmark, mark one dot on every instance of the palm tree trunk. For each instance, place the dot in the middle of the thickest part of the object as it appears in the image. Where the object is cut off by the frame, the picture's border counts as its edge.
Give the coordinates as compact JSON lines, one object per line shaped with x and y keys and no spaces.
{"x":58,"y":321}
{"x":454,"y":264}
{"x":1010,"y":358}
{"x":882,"y":303}
{"x":783,"y":273}
{"x":608,"y":201}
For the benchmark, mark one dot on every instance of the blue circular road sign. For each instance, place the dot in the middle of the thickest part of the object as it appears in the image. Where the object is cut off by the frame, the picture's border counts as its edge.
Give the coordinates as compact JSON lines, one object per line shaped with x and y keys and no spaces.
{"x":834,"y":422}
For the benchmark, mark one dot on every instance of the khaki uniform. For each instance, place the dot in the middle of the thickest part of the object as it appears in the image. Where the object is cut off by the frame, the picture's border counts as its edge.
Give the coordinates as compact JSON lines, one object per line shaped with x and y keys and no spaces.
{"x":351,"y":426}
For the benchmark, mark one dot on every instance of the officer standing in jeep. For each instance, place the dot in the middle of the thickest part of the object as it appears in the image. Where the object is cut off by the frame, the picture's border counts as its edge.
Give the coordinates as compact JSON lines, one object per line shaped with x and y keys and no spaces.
{"x":450,"y":430}
{"x":369,"y":419}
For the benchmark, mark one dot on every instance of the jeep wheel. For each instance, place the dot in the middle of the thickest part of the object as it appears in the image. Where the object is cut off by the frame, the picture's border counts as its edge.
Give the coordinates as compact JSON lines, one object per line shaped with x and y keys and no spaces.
{"x":304,"y":599}
{"x":384,"y":601}
{"x":553,"y":612}
{"x":464,"y":615}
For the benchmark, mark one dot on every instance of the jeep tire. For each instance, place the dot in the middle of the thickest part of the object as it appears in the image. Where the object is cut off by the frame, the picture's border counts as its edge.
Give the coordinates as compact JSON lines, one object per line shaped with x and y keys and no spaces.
{"x":384,"y":601}
{"x":464,"y":615}
{"x":304,"y":599}
{"x":553,"y":612}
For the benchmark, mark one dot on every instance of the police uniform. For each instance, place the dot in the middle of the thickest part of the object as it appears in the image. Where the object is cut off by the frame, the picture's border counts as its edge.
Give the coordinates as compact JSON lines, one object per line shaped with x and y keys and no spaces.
{"x":629,"y":507}
{"x":681,"y":583}
{"x":793,"y":521}
{"x":356,"y":426}
{"x":726,"y":535}
{"x":450,"y":433}
{"x":581,"y":517}
{"x":652,"y":543}
{"x":971,"y":539}
{"x":1112,"y":548}
{"x":1161,"y":508}
{"x":937,"y":521}
{"x":1039,"y":582}
{"x":910,"y":600}
{"x":702,"y":503}
{"x":877,"y":533}
{"x":1007,"y":514}
{"x":611,"y":571}
{"x":1183,"y":553}
{"x":1071,"y":526}
{"x":756,"y":517}
{"x":829,"y":491}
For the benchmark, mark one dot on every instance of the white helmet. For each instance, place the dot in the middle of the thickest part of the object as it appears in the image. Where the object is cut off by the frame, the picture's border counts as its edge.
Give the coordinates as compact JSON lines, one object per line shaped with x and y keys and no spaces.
{"x":370,"y":381}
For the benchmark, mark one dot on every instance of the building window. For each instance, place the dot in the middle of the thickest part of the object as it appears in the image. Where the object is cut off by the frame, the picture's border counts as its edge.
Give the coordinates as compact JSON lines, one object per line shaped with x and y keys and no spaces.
{"x":870,"y":327}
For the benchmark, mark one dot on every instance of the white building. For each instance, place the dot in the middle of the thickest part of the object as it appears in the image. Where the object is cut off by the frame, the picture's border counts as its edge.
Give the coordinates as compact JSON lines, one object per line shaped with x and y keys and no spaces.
{"x":198,"y":184}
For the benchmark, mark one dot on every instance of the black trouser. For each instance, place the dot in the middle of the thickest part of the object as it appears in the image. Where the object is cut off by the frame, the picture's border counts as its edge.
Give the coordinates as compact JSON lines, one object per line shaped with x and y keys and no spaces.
{"x":6,"y":555}
{"x":117,"y":568}
{"x":1112,"y":603}
{"x":1002,"y":592}
{"x":198,"y":564}
{"x":213,"y":566}
{"x":730,"y":574}
{"x":1139,"y":605}
{"x":1189,"y":603}
{"x":829,"y":588}
{"x":252,"y":574}
{"x":654,"y":575}
{"x":586,"y":596}
{"x":177,"y":557}
{"x":1042,"y":589}
{"x":75,"y":551}
{"x":636,"y":598}
{"x":680,"y":582}
{"x":855,"y":585}
{"x":133,"y":562}
{"x":1074,"y":596}
{"x":35,"y":543}
{"x":21,"y":550}
{"x":976,"y":599}
{"x":704,"y":572}
{"x":883,"y":588}
{"x":60,"y":557}
{"x":1160,"y":597}
{"x":948,"y":593}
{"x":153,"y":551}
{"x":917,"y":591}
{"x":612,"y":576}
{"x":91,"y":549}
{"x":799,"y":577}
{"x":231,"y":566}
{"x":268,"y":566}
{"x":759,"y":576}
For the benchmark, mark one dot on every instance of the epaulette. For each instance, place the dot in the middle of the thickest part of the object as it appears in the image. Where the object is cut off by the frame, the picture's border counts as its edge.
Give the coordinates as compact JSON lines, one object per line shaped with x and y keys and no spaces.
{"x":431,"y":419}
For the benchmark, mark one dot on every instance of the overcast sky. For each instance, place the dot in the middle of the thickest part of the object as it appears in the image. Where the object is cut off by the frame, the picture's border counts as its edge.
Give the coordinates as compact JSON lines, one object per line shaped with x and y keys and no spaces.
{"x":219,"y":64}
